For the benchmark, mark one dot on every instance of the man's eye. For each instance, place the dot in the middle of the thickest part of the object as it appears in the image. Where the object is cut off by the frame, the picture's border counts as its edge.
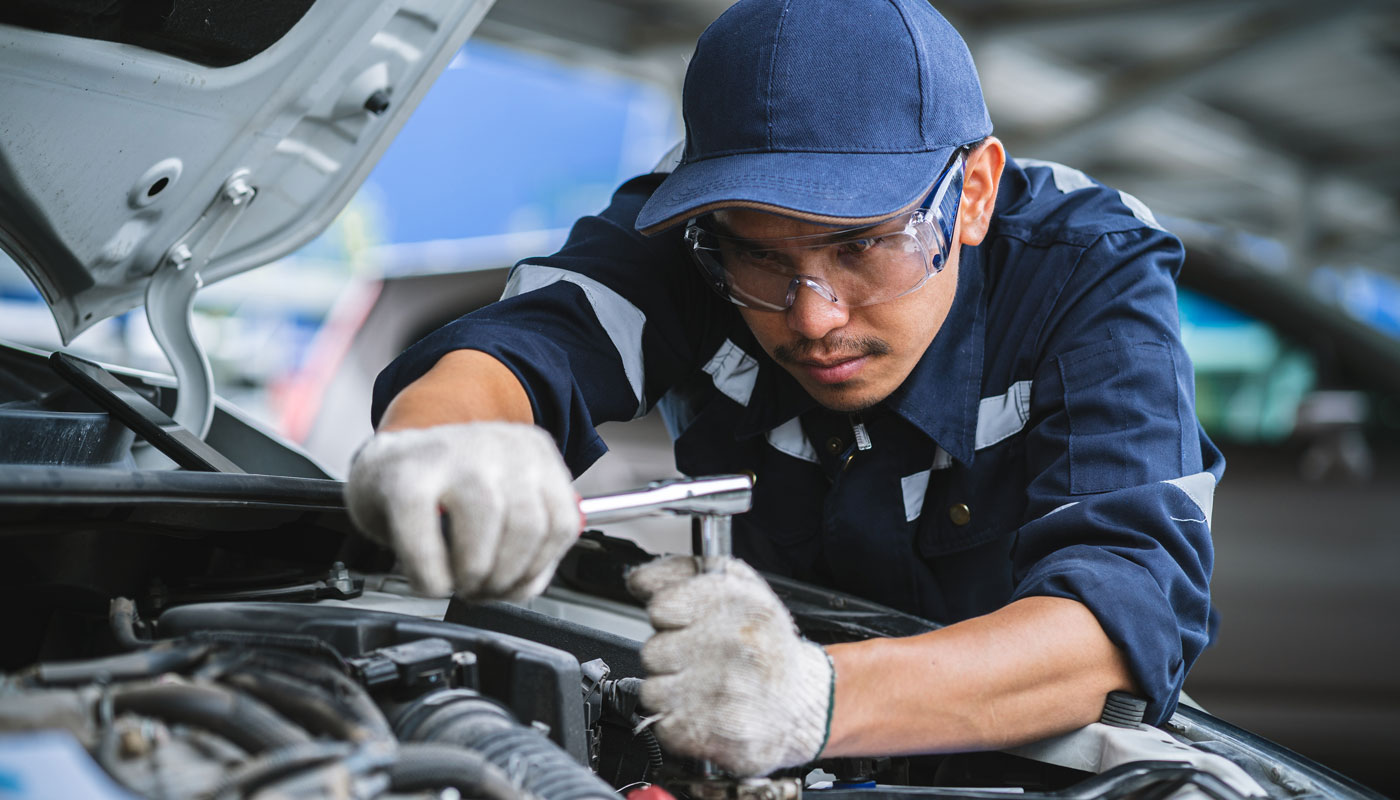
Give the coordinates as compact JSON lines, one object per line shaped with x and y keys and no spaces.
{"x":855,"y":247}
{"x":767,"y":258}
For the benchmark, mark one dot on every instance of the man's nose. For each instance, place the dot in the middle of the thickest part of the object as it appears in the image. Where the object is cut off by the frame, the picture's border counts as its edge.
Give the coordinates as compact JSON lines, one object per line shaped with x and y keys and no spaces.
{"x":812,"y":315}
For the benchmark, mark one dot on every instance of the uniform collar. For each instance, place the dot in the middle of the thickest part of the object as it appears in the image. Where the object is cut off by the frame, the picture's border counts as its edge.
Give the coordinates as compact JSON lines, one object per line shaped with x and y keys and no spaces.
{"x":777,"y":396}
{"x":940,"y":396}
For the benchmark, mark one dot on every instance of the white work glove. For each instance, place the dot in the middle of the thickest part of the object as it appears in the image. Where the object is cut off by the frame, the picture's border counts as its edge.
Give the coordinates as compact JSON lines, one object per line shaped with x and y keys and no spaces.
{"x":510,"y":506}
{"x":729,"y":678}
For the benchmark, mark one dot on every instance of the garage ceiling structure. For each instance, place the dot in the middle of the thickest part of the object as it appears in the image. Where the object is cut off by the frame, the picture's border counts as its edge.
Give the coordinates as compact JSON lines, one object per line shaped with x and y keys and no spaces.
{"x":1276,"y":119}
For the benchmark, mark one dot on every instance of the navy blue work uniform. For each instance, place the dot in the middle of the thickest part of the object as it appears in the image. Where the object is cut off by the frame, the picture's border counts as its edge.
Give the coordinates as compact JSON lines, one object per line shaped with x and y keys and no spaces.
{"x":1045,"y":444}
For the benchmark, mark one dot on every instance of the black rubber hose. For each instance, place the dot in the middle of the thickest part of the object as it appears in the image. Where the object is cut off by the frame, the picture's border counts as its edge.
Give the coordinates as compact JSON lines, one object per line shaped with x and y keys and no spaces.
{"x":249,"y":776}
{"x":304,"y":703}
{"x":464,"y":719}
{"x":655,"y":761}
{"x":332,"y":680}
{"x":121,"y":618}
{"x":242,"y":720}
{"x":307,"y":690}
{"x":428,"y":767}
{"x":250,"y":640}
{"x":620,"y":700}
{"x":160,"y":658}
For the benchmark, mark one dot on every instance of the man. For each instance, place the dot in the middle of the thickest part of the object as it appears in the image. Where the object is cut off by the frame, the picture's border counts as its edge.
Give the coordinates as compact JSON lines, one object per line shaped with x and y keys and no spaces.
{"x":958,"y":380}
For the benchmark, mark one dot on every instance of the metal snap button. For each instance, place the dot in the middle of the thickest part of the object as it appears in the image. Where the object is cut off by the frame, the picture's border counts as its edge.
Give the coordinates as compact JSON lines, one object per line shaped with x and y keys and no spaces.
{"x":960,"y":514}
{"x":834,"y":445}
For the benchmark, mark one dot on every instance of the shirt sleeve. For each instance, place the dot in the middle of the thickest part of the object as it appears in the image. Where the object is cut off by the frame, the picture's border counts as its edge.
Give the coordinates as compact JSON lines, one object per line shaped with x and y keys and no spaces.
{"x":596,"y":332}
{"x":1122,"y":476}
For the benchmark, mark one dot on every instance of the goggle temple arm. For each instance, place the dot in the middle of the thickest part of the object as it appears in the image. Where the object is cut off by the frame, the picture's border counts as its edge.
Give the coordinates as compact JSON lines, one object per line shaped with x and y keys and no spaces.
{"x":942,"y":204}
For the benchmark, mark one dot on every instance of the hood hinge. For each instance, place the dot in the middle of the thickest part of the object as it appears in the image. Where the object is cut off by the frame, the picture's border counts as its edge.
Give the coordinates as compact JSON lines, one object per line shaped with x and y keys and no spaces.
{"x":170,"y":301}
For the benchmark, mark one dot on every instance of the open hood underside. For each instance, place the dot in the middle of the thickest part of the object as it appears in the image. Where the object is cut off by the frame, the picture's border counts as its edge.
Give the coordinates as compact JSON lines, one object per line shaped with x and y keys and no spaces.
{"x":118,"y":162}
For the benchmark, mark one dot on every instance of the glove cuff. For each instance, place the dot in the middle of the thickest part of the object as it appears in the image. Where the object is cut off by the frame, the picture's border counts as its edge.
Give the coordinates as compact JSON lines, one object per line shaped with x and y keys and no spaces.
{"x":830,"y":702}
{"x":812,"y":702}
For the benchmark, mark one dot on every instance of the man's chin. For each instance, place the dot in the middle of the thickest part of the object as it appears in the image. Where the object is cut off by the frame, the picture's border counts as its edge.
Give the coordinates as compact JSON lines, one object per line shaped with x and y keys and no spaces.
{"x":844,"y":397}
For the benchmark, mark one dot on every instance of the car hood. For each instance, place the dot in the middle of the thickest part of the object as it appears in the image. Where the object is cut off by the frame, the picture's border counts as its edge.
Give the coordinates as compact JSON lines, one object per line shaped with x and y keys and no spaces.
{"x":117,"y":159}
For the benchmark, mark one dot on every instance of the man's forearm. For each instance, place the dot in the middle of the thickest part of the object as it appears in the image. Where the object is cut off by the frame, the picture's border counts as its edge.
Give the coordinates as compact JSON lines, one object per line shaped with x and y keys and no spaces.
{"x":464,"y":386}
{"x":1038,"y":667}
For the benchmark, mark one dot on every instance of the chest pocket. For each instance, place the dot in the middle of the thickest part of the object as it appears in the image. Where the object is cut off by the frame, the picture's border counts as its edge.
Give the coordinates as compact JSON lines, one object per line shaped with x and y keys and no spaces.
{"x":966,"y":508}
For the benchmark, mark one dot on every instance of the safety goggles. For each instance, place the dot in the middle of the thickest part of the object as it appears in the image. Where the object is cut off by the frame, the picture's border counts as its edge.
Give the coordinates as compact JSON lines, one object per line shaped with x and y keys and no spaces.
{"x":852,"y":267}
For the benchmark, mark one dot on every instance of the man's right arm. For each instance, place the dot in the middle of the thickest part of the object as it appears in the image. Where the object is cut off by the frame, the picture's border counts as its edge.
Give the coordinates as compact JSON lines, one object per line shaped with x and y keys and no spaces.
{"x":463,"y":386}
{"x":464,"y":477}
{"x":473,"y":497}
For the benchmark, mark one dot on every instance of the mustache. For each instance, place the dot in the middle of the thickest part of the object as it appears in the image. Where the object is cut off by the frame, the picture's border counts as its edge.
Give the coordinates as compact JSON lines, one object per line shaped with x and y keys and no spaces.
{"x":828,"y":349}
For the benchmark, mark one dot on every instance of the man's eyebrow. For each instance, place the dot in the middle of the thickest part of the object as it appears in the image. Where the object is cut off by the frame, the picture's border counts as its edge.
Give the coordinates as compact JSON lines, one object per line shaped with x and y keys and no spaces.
{"x":742,"y":241}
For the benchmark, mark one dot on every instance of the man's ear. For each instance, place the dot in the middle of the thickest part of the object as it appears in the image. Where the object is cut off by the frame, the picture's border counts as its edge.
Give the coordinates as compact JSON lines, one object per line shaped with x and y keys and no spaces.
{"x":982,"y":176}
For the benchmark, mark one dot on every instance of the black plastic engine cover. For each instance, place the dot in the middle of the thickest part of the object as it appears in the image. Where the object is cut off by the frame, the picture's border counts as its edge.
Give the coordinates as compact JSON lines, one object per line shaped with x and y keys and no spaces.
{"x":538,"y":683}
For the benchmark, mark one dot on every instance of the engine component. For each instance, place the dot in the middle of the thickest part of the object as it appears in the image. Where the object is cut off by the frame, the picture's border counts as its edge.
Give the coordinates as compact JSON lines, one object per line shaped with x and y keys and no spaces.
{"x":465,"y":719}
{"x":230,"y":713}
{"x":417,"y":665}
{"x":427,"y":766}
{"x":246,"y":722}
{"x":538,"y":683}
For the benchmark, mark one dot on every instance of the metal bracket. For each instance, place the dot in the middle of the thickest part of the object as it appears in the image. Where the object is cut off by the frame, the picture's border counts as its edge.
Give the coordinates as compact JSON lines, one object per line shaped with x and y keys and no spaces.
{"x":170,"y":301}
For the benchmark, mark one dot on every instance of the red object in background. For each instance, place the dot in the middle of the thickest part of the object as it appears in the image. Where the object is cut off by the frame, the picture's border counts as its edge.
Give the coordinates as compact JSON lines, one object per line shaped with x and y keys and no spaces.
{"x":297,"y":398}
{"x":652,"y":792}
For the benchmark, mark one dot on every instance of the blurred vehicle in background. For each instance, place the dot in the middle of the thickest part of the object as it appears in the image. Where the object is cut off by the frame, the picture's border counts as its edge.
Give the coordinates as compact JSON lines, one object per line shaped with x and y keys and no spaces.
{"x":1304,"y":400}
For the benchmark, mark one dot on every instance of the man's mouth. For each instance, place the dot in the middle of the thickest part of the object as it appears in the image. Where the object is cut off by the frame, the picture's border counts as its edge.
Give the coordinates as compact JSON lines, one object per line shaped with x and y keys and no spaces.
{"x":832,"y":371}
{"x":841,"y":362}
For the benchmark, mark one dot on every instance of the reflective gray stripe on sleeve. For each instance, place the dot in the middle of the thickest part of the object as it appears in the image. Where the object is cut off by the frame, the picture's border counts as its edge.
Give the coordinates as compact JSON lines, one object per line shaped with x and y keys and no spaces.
{"x":1069,"y":179}
{"x":734,"y":372}
{"x":679,"y":407}
{"x":622,"y":320}
{"x":788,"y":438}
{"x":1140,"y":210}
{"x":914,"y":488}
{"x":1003,"y":416}
{"x":1201,"y":489}
{"x":1062,"y":508}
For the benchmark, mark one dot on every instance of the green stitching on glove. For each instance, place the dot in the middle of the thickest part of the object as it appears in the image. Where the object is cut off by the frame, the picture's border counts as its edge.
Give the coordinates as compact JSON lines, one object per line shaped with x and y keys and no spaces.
{"x":830,"y":704}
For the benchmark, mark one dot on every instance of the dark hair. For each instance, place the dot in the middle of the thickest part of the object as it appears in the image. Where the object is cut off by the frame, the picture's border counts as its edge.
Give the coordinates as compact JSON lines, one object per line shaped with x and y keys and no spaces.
{"x":970,"y":146}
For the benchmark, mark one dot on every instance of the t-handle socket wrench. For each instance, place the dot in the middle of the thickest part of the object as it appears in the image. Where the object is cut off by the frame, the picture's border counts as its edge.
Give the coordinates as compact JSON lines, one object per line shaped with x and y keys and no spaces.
{"x":715,"y":500}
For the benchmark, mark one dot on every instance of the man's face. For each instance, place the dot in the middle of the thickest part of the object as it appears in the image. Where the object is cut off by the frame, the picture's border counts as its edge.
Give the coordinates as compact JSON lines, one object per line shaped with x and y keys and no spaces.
{"x":846,"y":358}
{"x":852,"y":358}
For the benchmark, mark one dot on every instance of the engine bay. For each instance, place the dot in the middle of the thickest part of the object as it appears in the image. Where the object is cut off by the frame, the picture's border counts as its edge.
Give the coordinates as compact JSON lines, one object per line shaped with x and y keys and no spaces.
{"x":348,"y":685}
{"x":187,"y":633}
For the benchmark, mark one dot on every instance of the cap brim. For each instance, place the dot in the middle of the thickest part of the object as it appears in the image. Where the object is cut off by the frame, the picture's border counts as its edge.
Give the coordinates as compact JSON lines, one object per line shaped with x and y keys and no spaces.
{"x":824,"y":188}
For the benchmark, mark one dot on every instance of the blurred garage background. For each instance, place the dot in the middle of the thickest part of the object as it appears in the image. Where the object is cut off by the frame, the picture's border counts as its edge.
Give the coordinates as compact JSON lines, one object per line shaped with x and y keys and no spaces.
{"x":1266,"y":134}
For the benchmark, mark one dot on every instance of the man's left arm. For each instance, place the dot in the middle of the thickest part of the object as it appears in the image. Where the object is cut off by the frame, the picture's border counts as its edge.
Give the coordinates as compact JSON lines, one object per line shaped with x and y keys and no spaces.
{"x":1111,"y":568}
{"x":1037,"y":667}
{"x":1113,"y":558}
{"x":730,"y":678}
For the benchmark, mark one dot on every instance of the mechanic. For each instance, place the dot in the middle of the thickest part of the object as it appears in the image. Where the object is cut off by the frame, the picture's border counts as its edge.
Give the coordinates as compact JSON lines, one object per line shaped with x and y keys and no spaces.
{"x":958,"y":379}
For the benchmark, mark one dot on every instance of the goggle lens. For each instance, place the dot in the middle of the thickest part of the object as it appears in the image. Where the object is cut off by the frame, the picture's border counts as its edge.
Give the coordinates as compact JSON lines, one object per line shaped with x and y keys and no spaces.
{"x":850,"y":268}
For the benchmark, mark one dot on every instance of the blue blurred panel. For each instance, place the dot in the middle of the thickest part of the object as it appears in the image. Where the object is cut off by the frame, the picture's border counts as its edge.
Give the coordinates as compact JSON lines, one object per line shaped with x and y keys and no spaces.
{"x":1370,"y":296}
{"x":1203,"y":311}
{"x":508,"y":141}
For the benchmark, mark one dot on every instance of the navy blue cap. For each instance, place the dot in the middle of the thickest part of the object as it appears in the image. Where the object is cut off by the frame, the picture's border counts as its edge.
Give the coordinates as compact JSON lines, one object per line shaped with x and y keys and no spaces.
{"x":839,"y":112}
